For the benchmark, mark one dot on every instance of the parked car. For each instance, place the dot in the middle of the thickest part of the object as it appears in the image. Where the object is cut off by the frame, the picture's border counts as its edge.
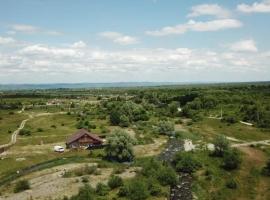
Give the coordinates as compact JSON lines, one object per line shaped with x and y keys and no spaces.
{"x":59,"y":149}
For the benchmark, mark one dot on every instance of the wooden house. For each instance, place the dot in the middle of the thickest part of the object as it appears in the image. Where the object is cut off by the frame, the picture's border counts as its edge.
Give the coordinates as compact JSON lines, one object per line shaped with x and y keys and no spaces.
{"x":83,"y":139}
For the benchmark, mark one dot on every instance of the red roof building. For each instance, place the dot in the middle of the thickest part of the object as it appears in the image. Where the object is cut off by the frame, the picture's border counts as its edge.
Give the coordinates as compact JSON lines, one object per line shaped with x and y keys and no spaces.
{"x":82,"y":139}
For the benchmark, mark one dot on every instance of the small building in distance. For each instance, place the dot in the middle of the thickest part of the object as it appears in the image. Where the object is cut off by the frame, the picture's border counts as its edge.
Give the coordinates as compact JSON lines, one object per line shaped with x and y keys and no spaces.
{"x":83,"y":139}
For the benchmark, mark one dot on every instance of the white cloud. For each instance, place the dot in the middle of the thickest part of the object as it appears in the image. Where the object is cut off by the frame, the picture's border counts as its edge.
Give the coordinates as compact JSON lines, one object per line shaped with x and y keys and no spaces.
{"x":79,"y":44}
{"x":6,"y":40}
{"x":29,"y":29}
{"x":45,"y":51}
{"x":214,"y":25}
{"x":119,"y":38}
{"x":209,"y":9}
{"x":256,"y":7}
{"x":244,"y":46}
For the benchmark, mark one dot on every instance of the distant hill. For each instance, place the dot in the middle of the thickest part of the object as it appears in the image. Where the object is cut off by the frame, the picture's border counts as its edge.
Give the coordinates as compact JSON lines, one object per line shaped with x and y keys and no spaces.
{"x":81,"y":85}
{"x":112,"y":85}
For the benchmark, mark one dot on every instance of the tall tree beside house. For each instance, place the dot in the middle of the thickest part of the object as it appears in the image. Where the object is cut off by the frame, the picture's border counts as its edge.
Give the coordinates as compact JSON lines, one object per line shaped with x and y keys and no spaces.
{"x":120,"y":147}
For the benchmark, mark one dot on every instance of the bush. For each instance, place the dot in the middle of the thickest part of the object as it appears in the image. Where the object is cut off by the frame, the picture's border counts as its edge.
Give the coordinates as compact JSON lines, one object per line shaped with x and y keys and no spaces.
{"x":232,"y":184}
{"x":85,"y":179}
{"x":266,"y":169}
{"x":232,"y":159}
{"x":167,"y":176}
{"x":123,"y":191}
{"x":137,"y":190}
{"x":102,"y":189}
{"x":185,"y":162}
{"x":154,"y":188}
{"x":166,"y":127}
{"x":25,"y":132}
{"x":221,"y":145}
{"x":85,"y":193}
{"x":39,"y":130}
{"x":115,"y":182}
{"x":21,"y":186}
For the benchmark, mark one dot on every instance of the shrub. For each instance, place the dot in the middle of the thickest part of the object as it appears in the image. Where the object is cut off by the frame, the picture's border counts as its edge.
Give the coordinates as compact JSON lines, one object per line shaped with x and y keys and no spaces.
{"x":137,"y":190}
{"x":53,"y":126}
{"x":102,"y":189}
{"x":232,"y":159}
{"x":21,"y":186}
{"x":39,"y":130}
{"x":185,"y":162}
{"x":166,"y":176}
{"x":221,"y":145}
{"x":85,"y":193}
{"x":266,"y":169}
{"x":154,"y":188}
{"x":123,"y":191}
{"x":232,"y":184}
{"x":115,"y":182}
{"x":85,"y":179}
{"x":166,"y":127}
{"x":25,"y":132}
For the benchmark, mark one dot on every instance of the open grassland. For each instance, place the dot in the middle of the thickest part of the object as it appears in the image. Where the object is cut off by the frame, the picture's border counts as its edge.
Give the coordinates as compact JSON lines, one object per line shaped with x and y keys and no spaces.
{"x":209,"y":128}
{"x":9,"y":122}
{"x":48,"y":129}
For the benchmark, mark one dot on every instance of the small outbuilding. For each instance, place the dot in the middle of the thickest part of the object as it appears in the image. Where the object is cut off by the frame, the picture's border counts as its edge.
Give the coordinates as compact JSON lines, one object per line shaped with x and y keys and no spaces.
{"x":83,"y":139}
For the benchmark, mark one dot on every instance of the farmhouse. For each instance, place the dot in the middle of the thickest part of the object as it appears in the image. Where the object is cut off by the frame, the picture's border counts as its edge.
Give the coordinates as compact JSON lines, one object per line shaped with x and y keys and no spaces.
{"x":83,"y":139}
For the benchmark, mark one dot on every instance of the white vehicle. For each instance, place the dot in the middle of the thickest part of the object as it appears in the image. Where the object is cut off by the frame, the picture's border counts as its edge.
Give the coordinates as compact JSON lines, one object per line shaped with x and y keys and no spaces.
{"x":59,"y":149}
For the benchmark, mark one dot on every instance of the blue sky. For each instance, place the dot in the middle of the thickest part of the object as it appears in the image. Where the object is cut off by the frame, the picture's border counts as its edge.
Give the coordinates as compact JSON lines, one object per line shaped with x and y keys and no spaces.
{"x":125,"y":40}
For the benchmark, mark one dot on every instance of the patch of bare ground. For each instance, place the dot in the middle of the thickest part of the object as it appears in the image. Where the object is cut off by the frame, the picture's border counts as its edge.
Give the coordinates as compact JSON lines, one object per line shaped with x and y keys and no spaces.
{"x":49,"y":183}
{"x":150,"y":149}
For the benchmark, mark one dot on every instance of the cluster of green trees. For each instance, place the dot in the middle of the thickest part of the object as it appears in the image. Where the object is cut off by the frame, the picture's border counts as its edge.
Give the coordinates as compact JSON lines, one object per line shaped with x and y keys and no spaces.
{"x":125,"y":112}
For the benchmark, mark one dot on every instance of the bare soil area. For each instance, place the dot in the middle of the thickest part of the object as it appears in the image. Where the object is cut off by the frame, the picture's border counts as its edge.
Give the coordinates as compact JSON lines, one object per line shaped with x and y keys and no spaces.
{"x":50,"y":183}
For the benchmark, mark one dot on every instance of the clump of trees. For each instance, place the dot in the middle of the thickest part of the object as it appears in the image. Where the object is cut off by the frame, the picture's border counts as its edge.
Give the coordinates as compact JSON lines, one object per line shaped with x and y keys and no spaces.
{"x":126,"y":112}
{"x":120,"y":147}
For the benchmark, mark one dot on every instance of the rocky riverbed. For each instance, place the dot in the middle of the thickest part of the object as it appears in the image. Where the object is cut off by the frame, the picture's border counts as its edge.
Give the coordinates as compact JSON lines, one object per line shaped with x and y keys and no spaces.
{"x":181,"y":191}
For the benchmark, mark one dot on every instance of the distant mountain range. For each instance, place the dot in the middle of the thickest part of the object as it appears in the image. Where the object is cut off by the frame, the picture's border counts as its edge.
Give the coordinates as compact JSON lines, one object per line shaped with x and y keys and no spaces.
{"x":103,"y":85}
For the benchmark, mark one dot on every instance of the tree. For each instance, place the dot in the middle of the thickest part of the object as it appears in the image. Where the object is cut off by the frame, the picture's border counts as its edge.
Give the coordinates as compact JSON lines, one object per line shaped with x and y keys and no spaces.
{"x":166,"y":127}
{"x":221,"y":145}
{"x":115,"y":117}
{"x":232,"y":159}
{"x":119,"y":147}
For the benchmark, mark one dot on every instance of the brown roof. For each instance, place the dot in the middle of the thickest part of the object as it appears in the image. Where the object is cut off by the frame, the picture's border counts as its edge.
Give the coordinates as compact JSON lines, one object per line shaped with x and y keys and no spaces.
{"x":80,"y":133}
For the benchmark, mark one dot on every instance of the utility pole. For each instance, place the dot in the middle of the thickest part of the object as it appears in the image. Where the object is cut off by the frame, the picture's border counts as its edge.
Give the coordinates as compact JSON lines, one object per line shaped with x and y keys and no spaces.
{"x":221,"y":113}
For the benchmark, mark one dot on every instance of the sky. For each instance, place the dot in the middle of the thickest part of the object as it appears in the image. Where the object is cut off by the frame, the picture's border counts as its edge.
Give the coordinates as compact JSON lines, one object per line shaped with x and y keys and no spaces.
{"x":67,"y":41}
